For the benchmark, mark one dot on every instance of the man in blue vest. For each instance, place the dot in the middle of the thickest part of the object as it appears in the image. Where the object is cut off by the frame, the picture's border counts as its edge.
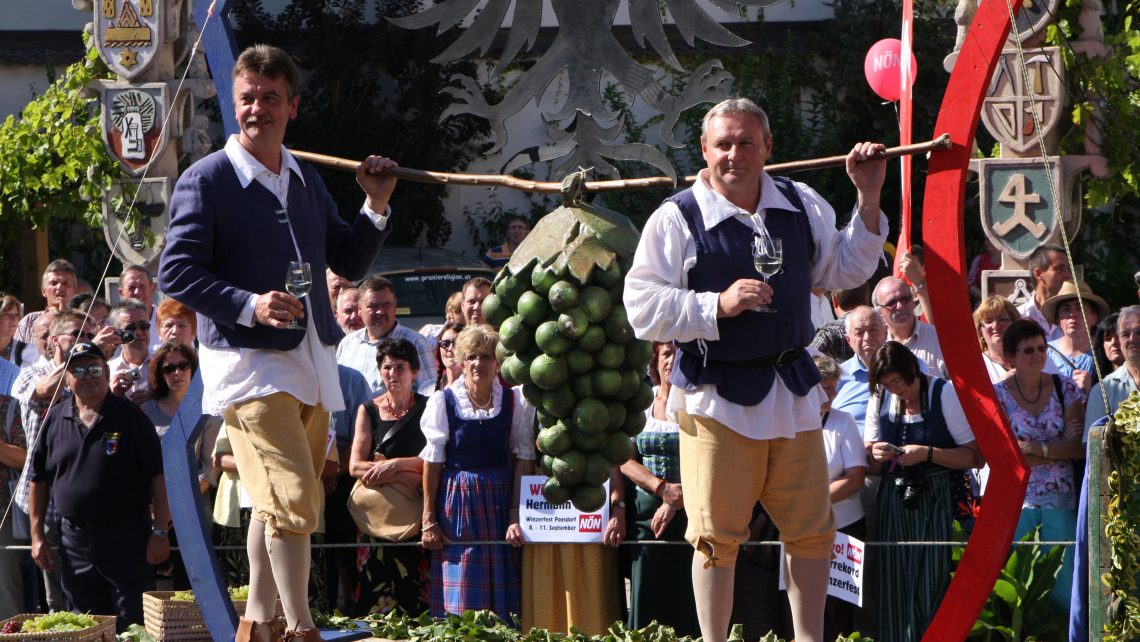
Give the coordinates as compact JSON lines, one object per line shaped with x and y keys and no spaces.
{"x":238,"y":218}
{"x":745,"y":392}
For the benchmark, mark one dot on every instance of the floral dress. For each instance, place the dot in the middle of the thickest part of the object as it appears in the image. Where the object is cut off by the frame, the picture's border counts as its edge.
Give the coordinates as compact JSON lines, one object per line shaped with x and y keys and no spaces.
{"x":1052,"y":484}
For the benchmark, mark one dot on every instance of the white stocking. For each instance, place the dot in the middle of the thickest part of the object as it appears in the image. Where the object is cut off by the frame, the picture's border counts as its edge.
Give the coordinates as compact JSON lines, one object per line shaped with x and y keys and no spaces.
{"x":262,"y":591}
{"x":712,"y":588}
{"x":291,"y":559}
{"x":807,"y":593}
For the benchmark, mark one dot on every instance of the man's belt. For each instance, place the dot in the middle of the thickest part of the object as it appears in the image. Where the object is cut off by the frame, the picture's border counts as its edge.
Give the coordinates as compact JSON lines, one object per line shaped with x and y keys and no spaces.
{"x":784,"y":358}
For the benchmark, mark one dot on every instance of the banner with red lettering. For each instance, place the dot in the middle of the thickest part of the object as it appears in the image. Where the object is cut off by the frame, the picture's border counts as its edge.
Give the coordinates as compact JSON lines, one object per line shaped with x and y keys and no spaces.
{"x":542,"y":521}
{"x":845,"y":580}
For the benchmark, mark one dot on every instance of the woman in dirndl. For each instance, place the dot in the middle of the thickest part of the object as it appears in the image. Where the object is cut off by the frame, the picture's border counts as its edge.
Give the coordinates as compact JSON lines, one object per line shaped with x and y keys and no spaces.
{"x":661,"y":582}
{"x":918,"y":434}
{"x":480,"y":442}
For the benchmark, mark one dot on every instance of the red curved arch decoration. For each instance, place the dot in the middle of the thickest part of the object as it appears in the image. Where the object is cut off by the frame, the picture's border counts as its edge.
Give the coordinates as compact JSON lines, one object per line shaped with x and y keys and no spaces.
{"x":943,"y":237}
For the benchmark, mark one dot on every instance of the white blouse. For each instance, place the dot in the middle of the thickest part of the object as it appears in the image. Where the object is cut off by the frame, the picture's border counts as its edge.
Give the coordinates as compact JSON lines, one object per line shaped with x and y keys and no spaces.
{"x":951,"y":411}
{"x":436,"y":429}
{"x":843,"y":445}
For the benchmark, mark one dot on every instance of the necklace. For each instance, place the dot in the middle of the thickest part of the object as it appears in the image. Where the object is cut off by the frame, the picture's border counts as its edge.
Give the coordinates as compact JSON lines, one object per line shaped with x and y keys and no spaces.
{"x":486,"y":405}
{"x":391,"y":408}
{"x":1040,"y":389}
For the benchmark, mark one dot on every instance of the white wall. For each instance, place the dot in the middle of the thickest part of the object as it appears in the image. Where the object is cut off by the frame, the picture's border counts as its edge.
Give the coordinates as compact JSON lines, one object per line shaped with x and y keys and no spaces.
{"x":41,"y":14}
{"x":17,"y":84}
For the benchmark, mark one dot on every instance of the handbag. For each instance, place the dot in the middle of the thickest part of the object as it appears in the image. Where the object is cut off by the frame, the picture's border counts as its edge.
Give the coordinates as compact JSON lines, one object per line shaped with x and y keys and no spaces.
{"x":392,"y":511}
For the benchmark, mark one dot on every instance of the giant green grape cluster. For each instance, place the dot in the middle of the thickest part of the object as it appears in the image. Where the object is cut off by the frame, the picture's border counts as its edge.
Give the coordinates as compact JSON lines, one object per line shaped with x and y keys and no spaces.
{"x":566,"y":340}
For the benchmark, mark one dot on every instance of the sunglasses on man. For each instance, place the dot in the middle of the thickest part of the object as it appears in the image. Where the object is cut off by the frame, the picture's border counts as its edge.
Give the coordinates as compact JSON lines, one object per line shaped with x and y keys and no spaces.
{"x":87,"y":371}
{"x":77,"y":334}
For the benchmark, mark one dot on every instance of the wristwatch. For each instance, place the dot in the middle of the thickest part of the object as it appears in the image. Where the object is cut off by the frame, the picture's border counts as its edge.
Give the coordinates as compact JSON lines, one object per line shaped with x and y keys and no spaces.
{"x":159,"y":532}
{"x":618,"y":504}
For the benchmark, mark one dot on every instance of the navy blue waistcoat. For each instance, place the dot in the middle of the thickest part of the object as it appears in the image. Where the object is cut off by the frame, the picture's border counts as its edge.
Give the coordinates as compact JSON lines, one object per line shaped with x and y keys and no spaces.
{"x":479,"y":443}
{"x":931,"y":431}
{"x":724,"y":255}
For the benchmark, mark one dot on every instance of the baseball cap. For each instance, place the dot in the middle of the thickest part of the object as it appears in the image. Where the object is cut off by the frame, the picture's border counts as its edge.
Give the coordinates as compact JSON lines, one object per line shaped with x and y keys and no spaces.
{"x":87,"y":349}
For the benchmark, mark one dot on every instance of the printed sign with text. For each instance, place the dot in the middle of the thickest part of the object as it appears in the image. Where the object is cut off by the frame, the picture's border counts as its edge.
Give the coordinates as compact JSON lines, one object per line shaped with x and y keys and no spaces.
{"x":846,"y":578}
{"x":542,"y":521}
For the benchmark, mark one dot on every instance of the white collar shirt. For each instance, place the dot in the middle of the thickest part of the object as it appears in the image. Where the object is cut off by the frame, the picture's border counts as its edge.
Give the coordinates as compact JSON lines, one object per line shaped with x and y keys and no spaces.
{"x":923,"y":342}
{"x":358,"y":351}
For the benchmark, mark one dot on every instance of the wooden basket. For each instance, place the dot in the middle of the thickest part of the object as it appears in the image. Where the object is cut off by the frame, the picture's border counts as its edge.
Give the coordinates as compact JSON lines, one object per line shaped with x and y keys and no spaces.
{"x":181,"y":620}
{"x":103,"y":631}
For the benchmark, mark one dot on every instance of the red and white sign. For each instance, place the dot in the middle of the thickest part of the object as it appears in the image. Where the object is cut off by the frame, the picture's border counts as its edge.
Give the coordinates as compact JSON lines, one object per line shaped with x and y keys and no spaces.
{"x":542,"y":521}
{"x":846,"y":578}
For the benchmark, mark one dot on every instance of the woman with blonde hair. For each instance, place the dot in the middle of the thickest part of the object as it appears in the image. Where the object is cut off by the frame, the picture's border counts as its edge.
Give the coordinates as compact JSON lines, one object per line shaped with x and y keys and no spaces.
{"x":452,"y":315}
{"x":480,"y":442}
{"x":991,"y":318}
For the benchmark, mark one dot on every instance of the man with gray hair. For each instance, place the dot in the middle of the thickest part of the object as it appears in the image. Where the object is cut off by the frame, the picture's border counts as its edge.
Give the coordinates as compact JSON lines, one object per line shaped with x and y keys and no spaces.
{"x":895,"y":301}
{"x":1123,"y":381}
{"x":136,"y":282}
{"x":866,"y":333}
{"x":1113,"y":389}
{"x":745,"y":391}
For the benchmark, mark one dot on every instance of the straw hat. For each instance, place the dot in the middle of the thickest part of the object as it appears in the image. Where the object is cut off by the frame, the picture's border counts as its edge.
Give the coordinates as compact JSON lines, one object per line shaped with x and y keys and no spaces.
{"x":1068,"y":293}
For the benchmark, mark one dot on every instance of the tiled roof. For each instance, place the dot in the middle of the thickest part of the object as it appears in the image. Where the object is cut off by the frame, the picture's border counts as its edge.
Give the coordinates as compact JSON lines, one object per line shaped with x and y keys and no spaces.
{"x":40,"y":47}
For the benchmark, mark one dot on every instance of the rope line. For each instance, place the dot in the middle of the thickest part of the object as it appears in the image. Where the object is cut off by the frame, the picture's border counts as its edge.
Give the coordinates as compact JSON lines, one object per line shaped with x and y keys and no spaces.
{"x":237,"y":547}
{"x":1053,"y":188}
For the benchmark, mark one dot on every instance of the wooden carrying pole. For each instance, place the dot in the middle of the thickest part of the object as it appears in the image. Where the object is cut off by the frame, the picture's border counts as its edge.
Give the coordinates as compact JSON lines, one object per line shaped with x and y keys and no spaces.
{"x":498,"y":180}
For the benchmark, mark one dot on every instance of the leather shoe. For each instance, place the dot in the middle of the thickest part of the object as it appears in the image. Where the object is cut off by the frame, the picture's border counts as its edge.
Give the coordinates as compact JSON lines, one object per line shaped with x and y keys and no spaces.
{"x":251,"y":631}
{"x":308,"y":635}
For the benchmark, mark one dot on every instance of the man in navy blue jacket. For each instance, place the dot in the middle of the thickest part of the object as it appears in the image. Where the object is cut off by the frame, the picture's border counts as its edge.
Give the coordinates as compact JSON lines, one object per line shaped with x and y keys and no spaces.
{"x":238,"y":218}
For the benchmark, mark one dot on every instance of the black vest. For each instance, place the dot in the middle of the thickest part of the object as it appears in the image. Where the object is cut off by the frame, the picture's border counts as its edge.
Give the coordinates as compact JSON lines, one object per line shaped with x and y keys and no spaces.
{"x":724,"y":255}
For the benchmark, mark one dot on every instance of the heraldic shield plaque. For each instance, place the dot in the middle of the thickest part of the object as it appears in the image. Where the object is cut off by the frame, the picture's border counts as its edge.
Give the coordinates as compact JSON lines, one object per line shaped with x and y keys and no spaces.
{"x":1018,"y":208}
{"x":132,"y":123}
{"x":1009,"y":105}
{"x":137,"y":238}
{"x":1034,"y":16}
{"x":128,"y":34}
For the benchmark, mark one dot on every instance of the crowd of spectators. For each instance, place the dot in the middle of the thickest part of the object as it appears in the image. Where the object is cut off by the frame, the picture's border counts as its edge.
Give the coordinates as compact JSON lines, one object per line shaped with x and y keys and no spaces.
{"x":428,"y":411}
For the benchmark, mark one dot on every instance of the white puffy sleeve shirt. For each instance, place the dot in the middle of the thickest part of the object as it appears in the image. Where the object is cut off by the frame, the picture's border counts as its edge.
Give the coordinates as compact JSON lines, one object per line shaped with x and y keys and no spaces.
{"x":436,"y":429}
{"x":952,"y":412}
{"x":661,"y":307}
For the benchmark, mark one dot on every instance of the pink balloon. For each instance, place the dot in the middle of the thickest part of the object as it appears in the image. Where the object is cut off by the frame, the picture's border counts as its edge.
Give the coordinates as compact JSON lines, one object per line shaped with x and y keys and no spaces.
{"x":883,"y":68}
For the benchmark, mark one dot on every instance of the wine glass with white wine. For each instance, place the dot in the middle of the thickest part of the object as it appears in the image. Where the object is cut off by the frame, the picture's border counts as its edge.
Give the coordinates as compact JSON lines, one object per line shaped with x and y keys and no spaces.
{"x":298,"y":281}
{"x":767,"y":258}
